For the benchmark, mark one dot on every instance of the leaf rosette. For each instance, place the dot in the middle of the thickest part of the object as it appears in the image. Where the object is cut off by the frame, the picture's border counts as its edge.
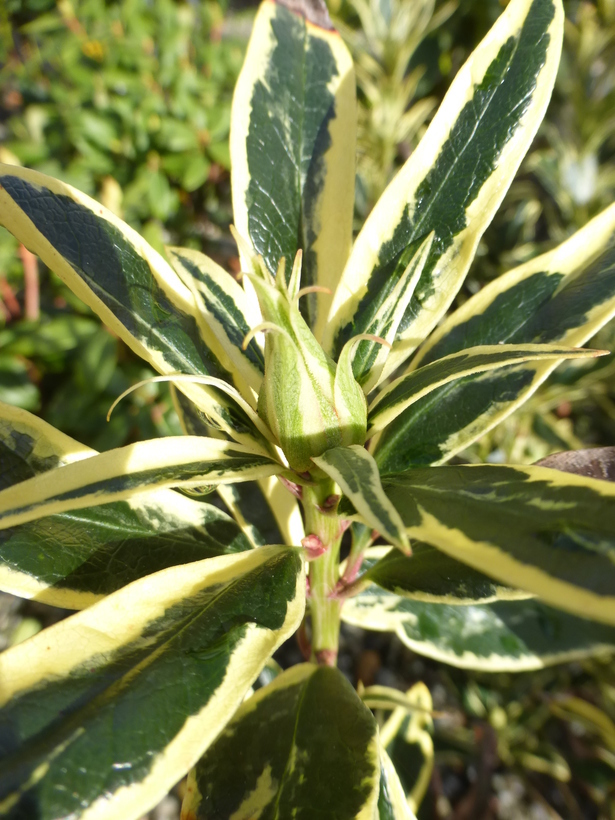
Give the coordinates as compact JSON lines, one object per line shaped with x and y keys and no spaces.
{"x":307,"y":409}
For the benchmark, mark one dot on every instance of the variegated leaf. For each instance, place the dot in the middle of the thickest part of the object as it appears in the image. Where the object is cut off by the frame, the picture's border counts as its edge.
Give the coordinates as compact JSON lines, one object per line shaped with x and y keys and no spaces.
{"x":265,"y":510}
{"x":432,"y":576}
{"x":548,"y":532}
{"x":122,"y":278}
{"x":226,"y":308}
{"x":370,"y":357}
{"x":192,"y":420}
{"x":563,"y":297}
{"x":292,"y":145}
{"x":357,"y":474}
{"x":505,"y":636}
{"x":455,"y":180}
{"x":74,"y":559}
{"x":415,"y":385}
{"x":117,"y":475}
{"x":392,"y":803}
{"x":304,"y":746}
{"x":407,"y":738}
{"x":94,"y":722}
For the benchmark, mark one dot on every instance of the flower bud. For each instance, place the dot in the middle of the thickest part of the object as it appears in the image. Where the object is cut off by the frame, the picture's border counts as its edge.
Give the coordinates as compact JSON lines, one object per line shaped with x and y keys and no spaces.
{"x":309,"y":404}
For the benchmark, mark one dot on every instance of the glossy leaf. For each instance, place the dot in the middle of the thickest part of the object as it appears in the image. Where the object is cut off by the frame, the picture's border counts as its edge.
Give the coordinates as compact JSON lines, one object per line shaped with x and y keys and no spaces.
{"x":293,"y":145}
{"x":226,"y":308}
{"x":504,"y":636}
{"x":113,"y":270}
{"x":392,"y":803}
{"x":541,"y":530}
{"x":117,"y":475}
{"x":74,"y":559}
{"x":432,"y":576}
{"x":370,"y":357}
{"x":266,"y":512}
{"x":357,"y":474}
{"x":455,"y":180}
{"x":304,"y":746}
{"x":563,"y":297}
{"x":89,"y":727}
{"x":415,"y":385}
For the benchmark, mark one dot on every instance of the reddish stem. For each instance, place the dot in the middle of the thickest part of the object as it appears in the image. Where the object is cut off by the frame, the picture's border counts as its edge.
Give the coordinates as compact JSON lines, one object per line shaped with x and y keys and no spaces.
{"x":293,"y":488}
{"x":31,"y":284}
{"x":11,"y":303}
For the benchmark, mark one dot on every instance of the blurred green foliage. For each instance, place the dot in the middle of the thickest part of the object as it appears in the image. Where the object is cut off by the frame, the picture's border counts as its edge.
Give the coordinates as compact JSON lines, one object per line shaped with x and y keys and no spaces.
{"x":127,"y":101}
{"x":130,"y":102}
{"x":394,"y":78}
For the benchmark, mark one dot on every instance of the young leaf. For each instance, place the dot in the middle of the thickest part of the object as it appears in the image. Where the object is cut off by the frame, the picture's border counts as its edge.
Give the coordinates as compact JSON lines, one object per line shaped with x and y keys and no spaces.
{"x":370,"y":357}
{"x":455,"y":180}
{"x":432,"y":576}
{"x":357,"y":474}
{"x":117,"y":475}
{"x":415,"y":385}
{"x":225,"y":306}
{"x":91,"y":729}
{"x":293,"y":127}
{"x":541,"y":530}
{"x":563,"y":297}
{"x":504,"y":636}
{"x":300,"y":399}
{"x":304,"y":746}
{"x":114,"y":271}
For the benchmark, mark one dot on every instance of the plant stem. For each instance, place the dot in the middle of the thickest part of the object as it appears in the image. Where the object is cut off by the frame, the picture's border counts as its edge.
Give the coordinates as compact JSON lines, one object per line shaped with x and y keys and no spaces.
{"x":324,"y":572}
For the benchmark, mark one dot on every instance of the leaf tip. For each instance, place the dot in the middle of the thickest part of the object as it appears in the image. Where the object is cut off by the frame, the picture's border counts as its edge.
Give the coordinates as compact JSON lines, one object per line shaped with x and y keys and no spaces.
{"x":314,"y":11}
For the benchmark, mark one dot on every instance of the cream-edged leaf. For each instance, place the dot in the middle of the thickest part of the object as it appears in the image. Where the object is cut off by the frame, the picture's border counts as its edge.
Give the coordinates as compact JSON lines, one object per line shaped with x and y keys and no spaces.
{"x":562,"y":298}
{"x":114,"y":271}
{"x":225,"y":306}
{"x":455,"y":180}
{"x":265,"y":510}
{"x":117,"y":475}
{"x":416,"y":384}
{"x":304,"y":746}
{"x":503,"y":636}
{"x":293,"y":125}
{"x":407,"y":738}
{"x":74,"y":559}
{"x":90,"y":728}
{"x":540,"y":530}
{"x":370,"y":357}
{"x":357,"y":474}
{"x":392,"y":803}
{"x":432,"y":576}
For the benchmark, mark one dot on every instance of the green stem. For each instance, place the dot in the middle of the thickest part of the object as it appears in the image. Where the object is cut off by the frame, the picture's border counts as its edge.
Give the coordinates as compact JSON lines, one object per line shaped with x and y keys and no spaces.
{"x":324,"y":573}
